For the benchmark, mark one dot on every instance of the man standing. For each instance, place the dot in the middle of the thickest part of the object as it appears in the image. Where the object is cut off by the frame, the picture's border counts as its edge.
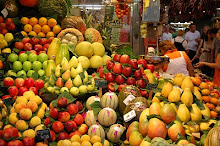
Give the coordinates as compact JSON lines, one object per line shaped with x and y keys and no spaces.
{"x":166,"y":34}
{"x":193,"y":39}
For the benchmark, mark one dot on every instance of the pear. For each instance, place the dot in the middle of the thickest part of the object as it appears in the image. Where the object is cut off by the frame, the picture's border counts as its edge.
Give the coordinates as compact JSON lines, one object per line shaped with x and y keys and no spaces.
{"x":65,"y":65}
{"x":51,"y":81}
{"x":187,"y":83}
{"x":167,"y":88}
{"x":197,"y":94}
{"x":64,"y":89}
{"x":178,"y":79}
{"x":59,"y":82}
{"x":74,"y":91}
{"x":83,"y":89}
{"x":90,"y":88}
{"x":161,"y":83}
{"x":77,"y":81}
{"x":206,"y":111}
{"x":174,"y":95}
{"x":73,"y":62}
{"x":187,"y":97}
{"x":66,"y":75}
{"x":183,"y":113}
{"x":79,"y":68}
{"x":195,"y":113}
{"x":73,"y":72}
{"x":57,"y":71}
{"x":85,"y":80}
{"x":69,"y":83}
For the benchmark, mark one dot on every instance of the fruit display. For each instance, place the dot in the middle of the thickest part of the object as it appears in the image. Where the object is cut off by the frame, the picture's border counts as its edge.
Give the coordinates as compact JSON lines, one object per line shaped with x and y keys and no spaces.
{"x":6,"y":25}
{"x":3,"y":113}
{"x":5,"y":39}
{"x":121,"y":10}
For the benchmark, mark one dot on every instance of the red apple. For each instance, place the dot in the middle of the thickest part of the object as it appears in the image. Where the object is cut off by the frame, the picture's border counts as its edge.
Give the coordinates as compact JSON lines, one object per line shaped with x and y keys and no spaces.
{"x":47,"y":121}
{"x":43,"y":41}
{"x":142,"y":62}
{"x":62,"y":102}
{"x":45,"y":47}
{"x":8,"y":81}
{"x":80,"y":105}
{"x":143,"y":93}
{"x":119,"y":79}
{"x":39,"y":84}
{"x":53,"y":136}
{"x":75,"y":133}
{"x":38,"y":48}
{"x":42,"y":52}
{"x":83,"y":129}
{"x":78,"y":119}
{"x":138,"y":74}
{"x":145,"y":77}
{"x":100,"y":71}
{"x":63,"y":116}
{"x":15,"y":143}
{"x":130,"y":81}
{"x":72,"y":109}
{"x":117,"y":57}
{"x":127,"y":71}
{"x":110,"y":77}
{"x":141,"y":83}
{"x":151,"y":67}
{"x":54,"y":113}
{"x":57,"y":126}
{"x":29,"y":82}
{"x":33,"y":51}
{"x":117,"y":68}
{"x":6,"y":97}
{"x":111,"y":86}
{"x":70,"y":126}
{"x":26,"y":40}
{"x":10,"y":132}
{"x":19,"y":45}
{"x":13,"y":91}
{"x":34,"y":41}
{"x":62,"y":136}
{"x":28,"y":141}
{"x":121,"y":87}
{"x":1,"y":133}
{"x":109,"y":64}
{"x":50,"y":39}
{"x":28,"y":47}
{"x":34,"y":89}
{"x":21,"y":90}
{"x":156,"y":75}
{"x":8,"y":21}
{"x":2,"y":143}
{"x":19,"y":82}
{"x":124,"y":59}
{"x":21,"y":52}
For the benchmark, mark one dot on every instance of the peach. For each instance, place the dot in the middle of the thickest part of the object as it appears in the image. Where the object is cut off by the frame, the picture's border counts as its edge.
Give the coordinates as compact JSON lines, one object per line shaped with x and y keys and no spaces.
{"x":29,"y":133}
{"x":25,"y":114}
{"x":63,"y":116}
{"x":39,"y":127}
{"x":36,"y":99}
{"x":21,"y":125}
{"x":32,"y":106}
{"x":21,"y":99}
{"x":83,"y":129}
{"x":204,"y":85}
{"x":19,"y":107}
{"x":28,"y":94}
{"x":13,"y":118}
{"x":12,"y":110}
{"x":35,"y":121}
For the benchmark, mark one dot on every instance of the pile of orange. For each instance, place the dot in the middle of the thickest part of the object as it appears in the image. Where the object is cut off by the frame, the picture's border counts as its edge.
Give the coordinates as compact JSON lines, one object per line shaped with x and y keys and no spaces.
{"x":40,"y":27}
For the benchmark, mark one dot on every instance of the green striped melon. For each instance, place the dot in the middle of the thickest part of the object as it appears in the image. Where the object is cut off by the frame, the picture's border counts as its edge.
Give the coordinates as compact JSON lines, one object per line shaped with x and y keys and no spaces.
{"x":109,"y":99}
{"x":107,"y":116}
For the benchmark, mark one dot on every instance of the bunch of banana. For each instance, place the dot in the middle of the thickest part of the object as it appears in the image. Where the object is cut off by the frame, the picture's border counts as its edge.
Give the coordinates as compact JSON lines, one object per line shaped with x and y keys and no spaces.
{"x":3,"y":112}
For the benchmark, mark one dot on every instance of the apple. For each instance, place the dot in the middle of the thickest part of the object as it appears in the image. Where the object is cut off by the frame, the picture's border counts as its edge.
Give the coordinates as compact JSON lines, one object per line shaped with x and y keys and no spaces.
{"x":10,"y":132}
{"x":42,"y":57}
{"x":70,"y":126}
{"x":109,"y":64}
{"x":119,"y":79}
{"x":100,"y":71}
{"x":2,"y":143}
{"x":53,"y":113}
{"x":130,"y":81}
{"x":62,"y":102}
{"x":13,"y":57}
{"x":156,"y":75}
{"x":42,"y":52}
{"x":15,"y":143}
{"x":1,"y":133}
{"x":143,"y":93}
{"x":121,"y":87}
{"x":21,"y":90}
{"x":53,"y":136}
{"x":142,"y":62}
{"x":17,"y":66}
{"x":29,"y":82}
{"x":21,"y":73}
{"x":145,"y":77}
{"x":26,"y":40}
{"x":8,"y":81}
{"x":39,"y":83}
{"x":72,"y":109}
{"x":27,"y":66}
{"x":117,"y":68}
{"x":110,"y":77}
{"x":19,"y":45}
{"x":62,"y":136}
{"x":33,"y":51}
{"x":6,"y":97}
{"x":28,"y":47}
{"x":38,"y":47}
{"x":21,"y":52}
{"x":117,"y":57}
{"x":28,"y":141}
{"x":50,"y":39}
{"x":124,"y":59}
{"x":138,"y":74}
{"x":127,"y":71}
{"x":75,"y":133}
{"x":34,"y":41}
{"x":83,"y":129}
{"x":63,"y":116}
{"x":43,"y":41}
{"x":57,"y":126}
{"x":2,"y":26}
{"x":111,"y":86}
{"x":37,"y":65}
{"x":78,"y":119}
{"x":80,"y":105}
{"x":8,"y":21}
{"x":34,"y":89}
{"x":133,"y":63}
{"x":32,"y":57}
{"x":151,"y":67}
{"x":13,"y":91}
{"x":141,"y":83}
{"x":22,"y":57}
{"x":45,"y":47}
{"x":47,"y":121}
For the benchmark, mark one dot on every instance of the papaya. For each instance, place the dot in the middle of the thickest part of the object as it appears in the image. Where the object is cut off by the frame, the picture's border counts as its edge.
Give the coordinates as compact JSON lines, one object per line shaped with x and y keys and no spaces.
{"x":53,"y":48}
{"x":62,"y":52}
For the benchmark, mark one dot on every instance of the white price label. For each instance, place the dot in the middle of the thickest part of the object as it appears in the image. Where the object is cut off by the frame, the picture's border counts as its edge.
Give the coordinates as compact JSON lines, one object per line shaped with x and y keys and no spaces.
{"x":178,"y":88}
{"x":129,"y":116}
{"x":128,"y":99}
{"x":97,"y":99}
{"x":4,"y":12}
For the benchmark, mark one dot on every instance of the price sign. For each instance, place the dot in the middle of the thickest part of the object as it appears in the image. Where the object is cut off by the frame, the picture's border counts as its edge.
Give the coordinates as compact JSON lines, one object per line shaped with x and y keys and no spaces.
{"x":152,"y":86}
{"x":8,"y":101}
{"x":101,"y":83}
{"x":43,"y":134}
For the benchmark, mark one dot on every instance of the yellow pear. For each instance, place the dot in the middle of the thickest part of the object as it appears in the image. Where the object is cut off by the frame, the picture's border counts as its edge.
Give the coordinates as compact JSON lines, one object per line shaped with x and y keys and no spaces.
{"x":73,"y":72}
{"x":187,"y":83}
{"x":57,"y":71}
{"x":178,"y":79}
{"x":66,"y":75}
{"x":206,"y":111}
{"x":65,"y":64}
{"x":155,"y":98}
{"x":174,"y":95}
{"x":79,"y":68}
{"x":187,"y":97}
{"x":183,"y":113}
{"x":73,"y":62}
{"x":195,"y":113}
{"x":85,"y":80}
{"x":77,"y":81}
{"x":197,"y":94}
{"x":167,"y":88}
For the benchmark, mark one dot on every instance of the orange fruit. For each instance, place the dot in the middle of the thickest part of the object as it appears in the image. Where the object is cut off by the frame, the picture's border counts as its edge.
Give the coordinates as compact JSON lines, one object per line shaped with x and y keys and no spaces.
{"x":45,"y":29}
{"x":215,"y":95}
{"x":206,"y":98}
{"x":37,"y":28}
{"x":204,"y":85}
{"x":24,"y":20}
{"x":210,"y":106}
{"x":32,"y":33}
{"x":205,"y":92}
{"x":41,"y":34}
{"x":33,"y":21}
{"x":196,"y":81}
{"x":23,"y":33}
{"x":42,"y":21}
{"x":56,"y":29}
{"x":211,"y":84}
{"x":50,"y":34}
{"x":27,"y":28}
{"x":213,"y":114}
{"x":214,"y":101}
{"x":52,"y":22}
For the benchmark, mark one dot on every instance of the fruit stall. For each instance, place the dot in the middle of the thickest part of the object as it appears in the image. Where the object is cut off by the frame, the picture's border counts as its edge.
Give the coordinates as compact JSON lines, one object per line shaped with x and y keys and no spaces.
{"x":65,"y":80}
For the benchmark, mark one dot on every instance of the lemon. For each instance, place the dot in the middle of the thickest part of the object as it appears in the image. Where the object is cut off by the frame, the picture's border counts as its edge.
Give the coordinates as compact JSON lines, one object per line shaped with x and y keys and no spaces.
{"x":9,"y":37}
{"x":75,"y":144}
{"x":85,"y":138}
{"x":2,"y":36}
{"x":97,"y":144}
{"x":95,"y":139}
{"x":75,"y":138}
{"x":66,"y":143}
{"x":86,"y":143}
{"x":3,"y":43}
{"x":6,"y":50}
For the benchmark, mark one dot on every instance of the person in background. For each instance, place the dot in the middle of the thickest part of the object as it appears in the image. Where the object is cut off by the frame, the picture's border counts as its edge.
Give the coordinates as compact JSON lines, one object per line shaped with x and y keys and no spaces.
{"x":179,"y":42}
{"x":166,"y":34}
{"x":179,"y":61}
{"x":186,"y":30}
{"x":193,"y":39}
{"x":204,"y":32}
{"x":215,"y":43}
{"x":216,"y":65}
{"x":173,"y":32}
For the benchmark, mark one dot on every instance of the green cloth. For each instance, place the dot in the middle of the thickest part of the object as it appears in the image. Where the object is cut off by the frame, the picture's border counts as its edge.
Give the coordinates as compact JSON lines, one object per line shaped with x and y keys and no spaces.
{"x":174,"y":35}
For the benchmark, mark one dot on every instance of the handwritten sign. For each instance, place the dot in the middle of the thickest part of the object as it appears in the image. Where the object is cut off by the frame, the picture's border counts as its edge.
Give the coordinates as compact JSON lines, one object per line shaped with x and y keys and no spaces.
{"x":101,"y":83}
{"x":152,"y":86}
{"x":8,"y":101}
{"x":43,"y":134}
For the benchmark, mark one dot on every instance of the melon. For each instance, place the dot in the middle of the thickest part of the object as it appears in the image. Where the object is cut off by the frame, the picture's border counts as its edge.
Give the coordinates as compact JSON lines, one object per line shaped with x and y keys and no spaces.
{"x":109,"y":99}
{"x":90,"y":118}
{"x":115,"y":132}
{"x":84,"y":49}
{"x":96,"y":129}
{"x":90,"y":101}
{"x":99,"y":49}
{"x":92,"y":35}
{"x":107,"y":116}
{"x":212,"y":138}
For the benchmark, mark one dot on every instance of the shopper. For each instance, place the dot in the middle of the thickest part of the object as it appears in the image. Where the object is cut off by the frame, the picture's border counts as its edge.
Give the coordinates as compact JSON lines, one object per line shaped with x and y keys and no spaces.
{"x":179,"y":61}
{"x":216,"y":65}
{"x":204,"y":32}
{"x":166,"y":34}
{"x":193,"y":38}
{"x":179,"y":42}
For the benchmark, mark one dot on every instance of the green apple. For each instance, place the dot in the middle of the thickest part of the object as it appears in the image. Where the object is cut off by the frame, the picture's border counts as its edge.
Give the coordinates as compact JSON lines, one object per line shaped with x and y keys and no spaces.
{"x":11,"y":73}
{"x":17,"y":65}
{"x":23,"y":57}
{"x":13,"y":57}
{"x":83,"y":89}
{"x":32,"y":57}
{"x":42,"y":57}
{"x":21,"y":73}
{"x":44,"y":64}
{"x":37,"y":65}
{"x":30,"y":72}
{"x":64,"y":89}
{"x":41,"y":72}
{"x":27,"y":66}
{"x":74,"y":91}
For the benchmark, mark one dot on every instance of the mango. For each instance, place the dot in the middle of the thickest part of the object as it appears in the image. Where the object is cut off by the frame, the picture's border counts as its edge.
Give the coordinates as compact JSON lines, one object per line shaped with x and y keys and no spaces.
{"x":132,"y":127}
{"x":155,"y":108}
{"x":168,"y":114}
{"x":156,"y":128}
{"x":135,"y":138}
{"x":175,"y":129}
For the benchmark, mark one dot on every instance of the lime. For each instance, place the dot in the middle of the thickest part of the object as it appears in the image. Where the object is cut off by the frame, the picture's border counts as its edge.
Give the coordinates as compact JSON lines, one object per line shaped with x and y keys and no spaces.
{"x":13,"y":57}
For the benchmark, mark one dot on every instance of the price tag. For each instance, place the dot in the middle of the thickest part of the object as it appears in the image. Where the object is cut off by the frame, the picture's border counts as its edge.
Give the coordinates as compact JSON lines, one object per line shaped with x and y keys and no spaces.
{"x":128,"y":99}
{"x":8,"y":101}
{"x":178,"y":88}
{"x":101,"y":83}
{"x":4,"y":12}
{"x":43,"y":134}
{"x":129,"y":116}
{"x":152,"y":86}
{"x":96,"y":98}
